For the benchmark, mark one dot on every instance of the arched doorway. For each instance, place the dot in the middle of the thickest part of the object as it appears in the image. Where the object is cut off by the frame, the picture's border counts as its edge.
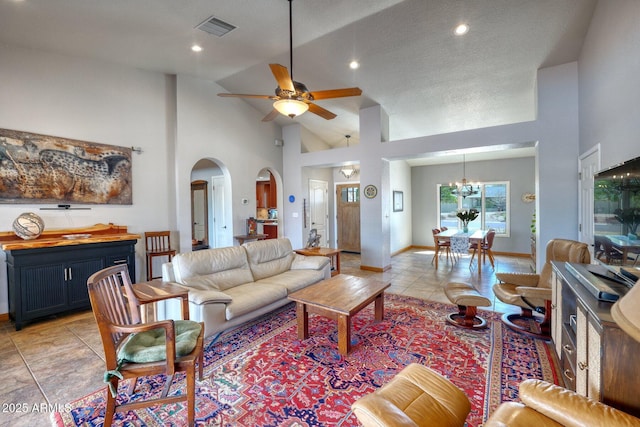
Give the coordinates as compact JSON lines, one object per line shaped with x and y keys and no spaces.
{"x":210,"y":206}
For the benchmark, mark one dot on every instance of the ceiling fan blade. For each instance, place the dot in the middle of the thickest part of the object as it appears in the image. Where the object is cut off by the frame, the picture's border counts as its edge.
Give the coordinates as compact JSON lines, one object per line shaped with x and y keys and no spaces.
{"x":244,"y":95}
{"x":272,"y":115}
{"x":336,"y":93}
{"x":281,"y":74}
{"x":325,"y":114}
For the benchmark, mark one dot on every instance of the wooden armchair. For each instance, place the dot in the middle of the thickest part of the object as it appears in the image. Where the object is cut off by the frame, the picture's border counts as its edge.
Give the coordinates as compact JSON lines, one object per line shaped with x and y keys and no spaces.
{"x":133,"y":348}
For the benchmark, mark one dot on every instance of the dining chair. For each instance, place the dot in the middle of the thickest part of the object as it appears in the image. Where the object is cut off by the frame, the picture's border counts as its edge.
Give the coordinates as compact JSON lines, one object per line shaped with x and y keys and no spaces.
{"x":485,"y":248}
{"x":133,"y":348}
{"x":440,"y":245}
{"x":157,"y":244}
{"x":611,"y":254}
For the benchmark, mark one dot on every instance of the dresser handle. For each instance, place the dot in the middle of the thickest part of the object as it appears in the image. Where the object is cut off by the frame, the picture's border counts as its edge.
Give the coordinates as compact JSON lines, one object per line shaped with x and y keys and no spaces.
{"x":567,"y":373}
{"x":582,"y":366}
{"x":568,"y":348}
{"x":119,"y":261}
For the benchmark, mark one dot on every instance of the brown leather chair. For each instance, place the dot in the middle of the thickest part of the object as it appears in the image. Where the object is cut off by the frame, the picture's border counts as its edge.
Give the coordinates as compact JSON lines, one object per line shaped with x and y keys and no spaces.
{"x":532,"y":292}
{"x":547,"y":405}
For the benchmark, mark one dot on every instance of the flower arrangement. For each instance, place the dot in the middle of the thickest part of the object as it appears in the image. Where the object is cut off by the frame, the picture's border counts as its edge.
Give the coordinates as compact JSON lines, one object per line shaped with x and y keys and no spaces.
{"x":629,"y":217}
{"x":466,"y":216}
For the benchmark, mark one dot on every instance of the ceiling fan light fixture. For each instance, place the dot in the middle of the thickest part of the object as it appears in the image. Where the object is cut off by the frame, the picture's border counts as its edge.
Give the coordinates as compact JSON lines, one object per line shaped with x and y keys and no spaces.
{"x":290,"y":107}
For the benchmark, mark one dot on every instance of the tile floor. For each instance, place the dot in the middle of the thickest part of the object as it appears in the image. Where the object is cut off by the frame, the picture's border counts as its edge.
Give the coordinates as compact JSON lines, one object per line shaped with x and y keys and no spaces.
{"x":54,"y":361}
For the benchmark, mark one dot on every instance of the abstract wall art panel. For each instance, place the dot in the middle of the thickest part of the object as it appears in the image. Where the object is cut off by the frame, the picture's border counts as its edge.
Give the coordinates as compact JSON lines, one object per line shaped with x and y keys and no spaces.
{"x":38,"y":168}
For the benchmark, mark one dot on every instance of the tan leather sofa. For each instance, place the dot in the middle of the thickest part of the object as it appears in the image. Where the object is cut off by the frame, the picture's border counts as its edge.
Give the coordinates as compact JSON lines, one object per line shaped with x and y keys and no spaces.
{"x":548,"y":405}
{"x":230,"y":286}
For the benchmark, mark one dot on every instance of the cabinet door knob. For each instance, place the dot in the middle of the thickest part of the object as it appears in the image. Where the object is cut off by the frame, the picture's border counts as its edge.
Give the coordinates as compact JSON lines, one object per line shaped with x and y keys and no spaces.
{"x":568,"y":348}
{"x":582,"y":366}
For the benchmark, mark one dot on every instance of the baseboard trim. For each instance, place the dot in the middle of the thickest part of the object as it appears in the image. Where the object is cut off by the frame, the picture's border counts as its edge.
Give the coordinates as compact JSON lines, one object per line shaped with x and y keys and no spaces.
{"x":513,"y":254}
{"x":376,"y":269}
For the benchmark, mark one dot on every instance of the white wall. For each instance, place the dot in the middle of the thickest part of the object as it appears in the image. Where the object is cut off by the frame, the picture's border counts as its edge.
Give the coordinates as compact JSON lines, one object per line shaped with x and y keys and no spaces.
{"x":608,"y":82}
{"x":72,"y":98}
{"x":223,"y":130}
{"x":176,"y":122}
{"x":401,"y":231}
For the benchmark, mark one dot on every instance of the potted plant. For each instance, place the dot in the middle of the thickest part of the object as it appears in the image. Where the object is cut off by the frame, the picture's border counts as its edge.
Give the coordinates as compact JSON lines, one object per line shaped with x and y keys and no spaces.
{"x":467,"y":216}
{"x":629,"y":217}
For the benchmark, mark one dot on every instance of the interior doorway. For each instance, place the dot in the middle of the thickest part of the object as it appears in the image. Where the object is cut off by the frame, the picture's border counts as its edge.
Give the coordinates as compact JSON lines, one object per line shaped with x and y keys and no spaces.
{"x":319,"y":209}
{"x":210,"y":205}
{"x":199,"y":215}
{"x":348,"y":217}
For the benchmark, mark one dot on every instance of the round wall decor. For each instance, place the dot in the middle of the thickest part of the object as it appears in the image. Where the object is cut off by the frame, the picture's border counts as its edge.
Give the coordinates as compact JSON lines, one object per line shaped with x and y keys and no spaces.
{"x":528,"y":197}
{"x":292,"y":198}
{"x":370,"y":191}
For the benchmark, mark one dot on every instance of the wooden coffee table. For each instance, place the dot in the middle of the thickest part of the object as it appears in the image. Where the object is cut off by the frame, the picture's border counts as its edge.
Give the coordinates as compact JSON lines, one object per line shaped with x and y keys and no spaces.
{"x":338,"y":298}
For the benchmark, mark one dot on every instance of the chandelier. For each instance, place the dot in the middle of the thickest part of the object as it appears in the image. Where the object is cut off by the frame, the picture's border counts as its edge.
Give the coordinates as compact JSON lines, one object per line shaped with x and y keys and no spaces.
{"x":349,"y":170}
{"x":464,"y":189}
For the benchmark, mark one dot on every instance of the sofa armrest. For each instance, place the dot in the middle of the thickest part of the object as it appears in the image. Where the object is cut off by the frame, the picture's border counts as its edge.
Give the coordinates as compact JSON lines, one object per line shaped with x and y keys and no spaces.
{"x":209,"y":296}
{"x":529,"y":292}
{"x":519,"y":279}
{"x":167,"y":272}
{"x":312,"y":262}
{"x":569,"y":408}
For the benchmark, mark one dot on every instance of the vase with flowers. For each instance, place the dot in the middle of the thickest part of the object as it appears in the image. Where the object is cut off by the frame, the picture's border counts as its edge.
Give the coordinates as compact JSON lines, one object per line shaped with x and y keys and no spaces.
{"x":466,"y":216}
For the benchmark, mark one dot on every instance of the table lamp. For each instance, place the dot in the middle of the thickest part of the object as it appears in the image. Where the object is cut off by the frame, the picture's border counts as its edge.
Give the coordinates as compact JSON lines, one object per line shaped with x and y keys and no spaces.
{"x":626,"y":312}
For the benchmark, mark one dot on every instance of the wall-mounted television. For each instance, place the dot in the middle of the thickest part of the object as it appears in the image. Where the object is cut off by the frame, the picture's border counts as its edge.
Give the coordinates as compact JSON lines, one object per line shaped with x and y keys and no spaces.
{"x":617,"y":214}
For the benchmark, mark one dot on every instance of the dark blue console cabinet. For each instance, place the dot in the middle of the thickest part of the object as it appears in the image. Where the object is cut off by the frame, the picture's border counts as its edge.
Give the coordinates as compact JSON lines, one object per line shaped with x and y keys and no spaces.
{"x":52,"y":280}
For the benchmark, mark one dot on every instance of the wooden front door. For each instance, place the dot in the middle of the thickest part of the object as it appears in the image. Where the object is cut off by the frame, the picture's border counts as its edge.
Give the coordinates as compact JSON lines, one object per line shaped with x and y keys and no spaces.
{"x":348,"y":207}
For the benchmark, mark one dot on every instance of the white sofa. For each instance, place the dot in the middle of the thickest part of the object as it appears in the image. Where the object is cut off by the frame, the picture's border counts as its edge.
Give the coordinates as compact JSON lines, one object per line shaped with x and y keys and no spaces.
{"x":229,"y":286}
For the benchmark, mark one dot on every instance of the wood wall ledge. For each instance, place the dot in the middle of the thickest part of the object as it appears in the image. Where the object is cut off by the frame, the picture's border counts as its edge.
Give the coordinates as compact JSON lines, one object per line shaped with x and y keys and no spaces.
{"x":100,"y":233}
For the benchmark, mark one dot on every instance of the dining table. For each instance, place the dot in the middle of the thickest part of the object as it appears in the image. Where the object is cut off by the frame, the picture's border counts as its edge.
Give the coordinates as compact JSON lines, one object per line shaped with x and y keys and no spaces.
{"x":626,"y":245}
{"x":460,"y":241}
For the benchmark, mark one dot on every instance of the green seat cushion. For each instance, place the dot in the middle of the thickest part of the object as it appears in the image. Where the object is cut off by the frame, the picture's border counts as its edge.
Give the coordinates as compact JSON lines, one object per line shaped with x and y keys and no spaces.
{"x":149,"y":346}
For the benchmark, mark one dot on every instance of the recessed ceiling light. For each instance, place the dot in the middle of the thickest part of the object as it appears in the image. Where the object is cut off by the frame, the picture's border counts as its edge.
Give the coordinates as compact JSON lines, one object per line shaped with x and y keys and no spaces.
{"x":354,"y":65}
{"x":196,"y":48}
{"x":461,"y":29}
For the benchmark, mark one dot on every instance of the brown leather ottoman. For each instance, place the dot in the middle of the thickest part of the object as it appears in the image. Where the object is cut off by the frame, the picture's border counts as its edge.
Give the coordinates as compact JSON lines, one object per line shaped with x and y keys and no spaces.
{"x":416,"y":396}
{"x":467,"y":299}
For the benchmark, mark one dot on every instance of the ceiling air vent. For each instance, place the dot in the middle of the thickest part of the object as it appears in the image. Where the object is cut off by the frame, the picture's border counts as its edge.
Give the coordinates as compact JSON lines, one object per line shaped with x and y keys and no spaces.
{"x":215,"y":26}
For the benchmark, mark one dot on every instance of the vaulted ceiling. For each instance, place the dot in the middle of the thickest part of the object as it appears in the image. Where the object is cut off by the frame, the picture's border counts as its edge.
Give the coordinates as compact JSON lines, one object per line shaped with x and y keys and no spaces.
{"x":426,"y":78}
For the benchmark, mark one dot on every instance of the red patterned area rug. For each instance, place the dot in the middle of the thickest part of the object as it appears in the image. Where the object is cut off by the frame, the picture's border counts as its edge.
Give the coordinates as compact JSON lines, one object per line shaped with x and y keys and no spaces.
{"x":261,"y":375}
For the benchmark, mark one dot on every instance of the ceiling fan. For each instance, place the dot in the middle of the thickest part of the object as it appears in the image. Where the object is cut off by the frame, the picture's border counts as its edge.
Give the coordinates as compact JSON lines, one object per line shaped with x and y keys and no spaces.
{"x":292,"y":98}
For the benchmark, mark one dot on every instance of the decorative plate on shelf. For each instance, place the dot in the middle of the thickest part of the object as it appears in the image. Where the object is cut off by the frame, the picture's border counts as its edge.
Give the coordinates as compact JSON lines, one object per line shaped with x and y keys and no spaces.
{"x":370,"y":191}
{"x":528,"y":197}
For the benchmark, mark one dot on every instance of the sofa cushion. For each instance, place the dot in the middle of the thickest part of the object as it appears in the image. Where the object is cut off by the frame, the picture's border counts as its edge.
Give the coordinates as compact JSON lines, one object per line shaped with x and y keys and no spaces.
{"x":269,"y":257}
{"x":220,"y":268}
{"x":293,"y":279}
{"x":251,"y":296}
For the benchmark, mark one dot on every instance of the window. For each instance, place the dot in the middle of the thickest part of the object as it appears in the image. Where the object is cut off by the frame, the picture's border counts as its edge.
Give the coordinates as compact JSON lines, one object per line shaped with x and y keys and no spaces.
{"x":491,"y":202}
{"x":350,"y":195}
